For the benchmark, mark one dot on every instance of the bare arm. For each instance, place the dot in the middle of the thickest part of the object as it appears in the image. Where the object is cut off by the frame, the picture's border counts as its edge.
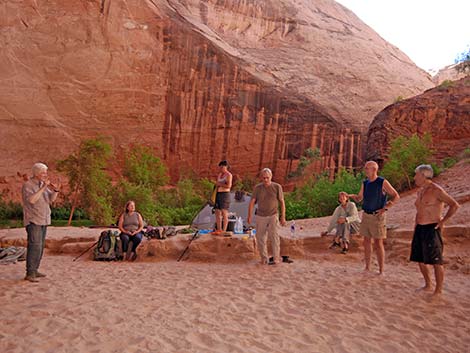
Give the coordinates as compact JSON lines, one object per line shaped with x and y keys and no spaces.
{"x":283,"y":211}
{"x":141,"y":224}
{"x":37,"y":195}
{"x":359,"y":196}
{"x":390,"y":191}
{"x":250,"y":209}
{"x":121,"y":221}
{"x":453,"y":207}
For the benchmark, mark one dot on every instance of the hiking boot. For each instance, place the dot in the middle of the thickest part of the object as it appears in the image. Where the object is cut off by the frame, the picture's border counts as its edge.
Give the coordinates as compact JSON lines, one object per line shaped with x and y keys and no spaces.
{"x":39,"y":274}
{"x":344,"y":251}
{"x":31,"y":278}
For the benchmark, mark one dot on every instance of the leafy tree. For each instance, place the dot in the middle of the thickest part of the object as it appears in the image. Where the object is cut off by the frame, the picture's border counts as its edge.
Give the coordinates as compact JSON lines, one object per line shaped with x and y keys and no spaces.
{"x":463,"y":61}
{"x":142,"y":167}
{"x":309,"y":155}
{"x":142,"y":195}
{"x":319,"y":197}
{"x":405,"y":154}
{"x":90,"y":184}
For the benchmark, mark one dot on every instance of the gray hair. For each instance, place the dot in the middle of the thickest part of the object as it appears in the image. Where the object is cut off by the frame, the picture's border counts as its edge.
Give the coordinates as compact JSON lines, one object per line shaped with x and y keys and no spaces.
{"x":38,"y":167}
{"x":426,"y":170}
{"x":267,"y":171}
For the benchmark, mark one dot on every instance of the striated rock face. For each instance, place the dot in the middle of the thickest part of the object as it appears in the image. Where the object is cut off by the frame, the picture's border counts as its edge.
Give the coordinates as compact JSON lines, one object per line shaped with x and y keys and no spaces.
{"x":443,"y":112}
{"x":253,"y":81}
{"x":448,"y":73}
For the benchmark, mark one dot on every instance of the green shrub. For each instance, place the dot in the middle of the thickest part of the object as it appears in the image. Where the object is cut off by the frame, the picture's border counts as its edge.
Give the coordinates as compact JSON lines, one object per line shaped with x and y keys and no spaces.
{"x":406,"y":153}
{"x":319,"y":197}
{"x":143,"y":167}
{"x":398,"y":99}
{"x":309,"y":155}
{"x":89,"y":180}
{"x":10,"y":210}
{"x":466,"y":153}
{"x":446,"y":84}
{"x":140,"y":194}
{"x":449,"y":162}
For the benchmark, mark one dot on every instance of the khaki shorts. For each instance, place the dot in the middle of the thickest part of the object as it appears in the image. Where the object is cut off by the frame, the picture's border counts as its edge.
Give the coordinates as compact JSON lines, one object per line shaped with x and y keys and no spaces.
{"x":373,"y":226}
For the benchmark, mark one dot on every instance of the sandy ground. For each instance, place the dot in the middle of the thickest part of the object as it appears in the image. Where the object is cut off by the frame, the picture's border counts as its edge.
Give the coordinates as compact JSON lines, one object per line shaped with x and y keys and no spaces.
{"x":323,"y":302}
{"x":307,"y":306}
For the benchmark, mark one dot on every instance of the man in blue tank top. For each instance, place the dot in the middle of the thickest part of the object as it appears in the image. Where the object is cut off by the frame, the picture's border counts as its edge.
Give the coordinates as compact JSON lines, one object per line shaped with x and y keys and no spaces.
{"x":373,"y":193}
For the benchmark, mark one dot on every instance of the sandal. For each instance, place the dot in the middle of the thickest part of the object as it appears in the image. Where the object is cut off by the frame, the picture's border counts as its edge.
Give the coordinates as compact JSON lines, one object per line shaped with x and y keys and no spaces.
{"x":335,"y":245}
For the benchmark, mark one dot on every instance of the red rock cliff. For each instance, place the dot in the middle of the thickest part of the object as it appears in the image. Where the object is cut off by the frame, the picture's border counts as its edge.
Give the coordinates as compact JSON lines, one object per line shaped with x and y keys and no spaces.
{"x":256,"y":82}
{"x":443,"y":112}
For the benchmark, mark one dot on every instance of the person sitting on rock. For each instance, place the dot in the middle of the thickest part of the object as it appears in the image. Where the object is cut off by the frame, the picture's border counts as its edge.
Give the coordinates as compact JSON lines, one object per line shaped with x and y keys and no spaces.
{"x":346,"y":221}
{"x":131,"y":225}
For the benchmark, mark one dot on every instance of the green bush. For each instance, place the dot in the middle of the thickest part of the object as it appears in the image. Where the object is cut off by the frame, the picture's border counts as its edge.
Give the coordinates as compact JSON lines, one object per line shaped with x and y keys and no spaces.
{"x":140,"y":194}
{"x":143,"y":167}
{"x":245,"y":183}
{"x":398,"y":99}
{"x":319,"y":197}
{"x":63,"y":212}
{"x":89,"y":180}
{"x":449,"y":162}
{"x":406,"y":153}
{"x":466,"y":153}
{"x":10,"y":210}
{"x":446,"y":84}
{"x":309,"y":155}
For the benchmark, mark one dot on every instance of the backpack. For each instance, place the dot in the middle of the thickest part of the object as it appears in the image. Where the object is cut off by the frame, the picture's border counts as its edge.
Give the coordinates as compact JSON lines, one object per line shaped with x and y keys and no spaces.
{"x":109,"y":247}
{"x":160,"y":232}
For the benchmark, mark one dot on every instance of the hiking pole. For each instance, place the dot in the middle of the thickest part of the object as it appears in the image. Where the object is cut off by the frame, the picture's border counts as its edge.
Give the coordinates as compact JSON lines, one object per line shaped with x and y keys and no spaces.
{"x":187,"y":247}
{"x":86,"y":250}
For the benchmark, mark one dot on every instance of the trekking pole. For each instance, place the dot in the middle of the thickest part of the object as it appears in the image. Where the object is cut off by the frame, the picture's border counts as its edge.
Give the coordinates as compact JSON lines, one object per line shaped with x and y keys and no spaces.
{"x":187,"y":247}
{"x":86,"y":250}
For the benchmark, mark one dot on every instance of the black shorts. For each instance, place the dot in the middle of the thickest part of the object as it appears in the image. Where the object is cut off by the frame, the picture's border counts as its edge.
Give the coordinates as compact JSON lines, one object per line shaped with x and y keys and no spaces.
{"x":427,"y":246}
{"x":222,"y":201}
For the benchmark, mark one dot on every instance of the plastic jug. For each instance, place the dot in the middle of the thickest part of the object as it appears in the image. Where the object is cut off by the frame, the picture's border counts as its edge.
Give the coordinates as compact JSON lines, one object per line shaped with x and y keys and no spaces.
{"x":238,"y":229}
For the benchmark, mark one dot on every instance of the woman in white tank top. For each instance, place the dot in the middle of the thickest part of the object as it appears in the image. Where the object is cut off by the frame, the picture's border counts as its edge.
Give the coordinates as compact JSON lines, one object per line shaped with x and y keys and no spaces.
{"x":222,"y":199}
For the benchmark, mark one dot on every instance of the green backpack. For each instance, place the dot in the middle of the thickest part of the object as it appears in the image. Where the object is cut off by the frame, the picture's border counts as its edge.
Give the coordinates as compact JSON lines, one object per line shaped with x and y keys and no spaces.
{"x":109,"y":247}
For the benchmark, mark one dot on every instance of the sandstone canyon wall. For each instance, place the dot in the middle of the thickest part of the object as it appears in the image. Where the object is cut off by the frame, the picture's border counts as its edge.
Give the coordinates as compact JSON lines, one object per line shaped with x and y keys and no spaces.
{"x":253,"y":81}
{"x":443,"y":112}
{"x":448,"y":73}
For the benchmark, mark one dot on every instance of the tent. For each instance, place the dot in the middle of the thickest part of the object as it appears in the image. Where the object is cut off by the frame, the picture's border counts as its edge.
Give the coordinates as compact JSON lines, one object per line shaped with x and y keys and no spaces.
{"x":239,"y":202}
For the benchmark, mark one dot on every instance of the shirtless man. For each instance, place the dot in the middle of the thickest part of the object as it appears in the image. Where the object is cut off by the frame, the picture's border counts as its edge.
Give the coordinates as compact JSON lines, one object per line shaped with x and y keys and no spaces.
{"x":427,"y":246}
{"x":374,"y":191}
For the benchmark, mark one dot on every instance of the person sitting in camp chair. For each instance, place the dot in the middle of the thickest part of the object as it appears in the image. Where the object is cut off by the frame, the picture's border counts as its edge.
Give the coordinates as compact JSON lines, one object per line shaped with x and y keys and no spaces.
{"x":131,"y":225}
{"x":346,"y":221}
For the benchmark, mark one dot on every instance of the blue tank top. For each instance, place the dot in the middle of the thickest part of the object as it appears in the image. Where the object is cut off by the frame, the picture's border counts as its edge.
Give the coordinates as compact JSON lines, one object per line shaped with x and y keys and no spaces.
{"x":374,"y":197}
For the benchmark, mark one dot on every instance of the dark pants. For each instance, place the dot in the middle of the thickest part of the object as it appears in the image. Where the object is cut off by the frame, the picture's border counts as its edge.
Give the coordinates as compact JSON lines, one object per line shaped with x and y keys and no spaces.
{"x":35,"y":249}
{"x":135,"y":241}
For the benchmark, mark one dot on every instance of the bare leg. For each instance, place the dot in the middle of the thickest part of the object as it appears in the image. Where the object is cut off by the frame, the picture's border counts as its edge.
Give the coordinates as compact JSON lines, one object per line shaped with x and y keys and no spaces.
{"x":380,"y":251}
{"x":427,"y":279}
{"x":218,"y":219}
{"x":367,"y":251}
{"x":225,"y":219}
{"x":439,"y":273}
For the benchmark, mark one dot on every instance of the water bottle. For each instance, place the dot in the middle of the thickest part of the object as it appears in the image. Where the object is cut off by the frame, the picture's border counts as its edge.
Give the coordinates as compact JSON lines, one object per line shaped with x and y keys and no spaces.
{"x":238,"y":226}
{"x":292,"y":229}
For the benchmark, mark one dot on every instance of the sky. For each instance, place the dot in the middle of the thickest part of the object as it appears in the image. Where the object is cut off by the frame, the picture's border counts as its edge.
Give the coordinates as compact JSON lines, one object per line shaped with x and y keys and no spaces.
{"x":432,"y":33}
